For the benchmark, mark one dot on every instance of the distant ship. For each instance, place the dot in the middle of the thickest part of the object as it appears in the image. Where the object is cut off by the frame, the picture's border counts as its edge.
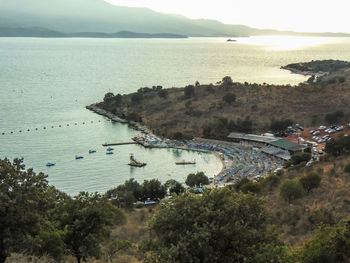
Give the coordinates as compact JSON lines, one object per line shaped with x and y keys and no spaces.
{"x":134,"y":162}
{"x":231,"y":40}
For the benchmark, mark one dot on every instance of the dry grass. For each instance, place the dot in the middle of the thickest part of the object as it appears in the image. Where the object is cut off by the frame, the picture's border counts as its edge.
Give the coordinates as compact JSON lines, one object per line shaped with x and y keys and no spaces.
{"x":306,"y":104}
{"x":329,"y":203}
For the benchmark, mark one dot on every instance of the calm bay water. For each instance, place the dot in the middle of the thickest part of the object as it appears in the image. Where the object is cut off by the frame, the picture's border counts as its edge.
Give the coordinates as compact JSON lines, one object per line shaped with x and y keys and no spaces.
{"x":48,"y":82}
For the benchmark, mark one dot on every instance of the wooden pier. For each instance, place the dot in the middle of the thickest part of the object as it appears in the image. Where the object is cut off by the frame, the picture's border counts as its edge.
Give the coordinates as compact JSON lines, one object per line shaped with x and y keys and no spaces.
{"x":118,"y":143}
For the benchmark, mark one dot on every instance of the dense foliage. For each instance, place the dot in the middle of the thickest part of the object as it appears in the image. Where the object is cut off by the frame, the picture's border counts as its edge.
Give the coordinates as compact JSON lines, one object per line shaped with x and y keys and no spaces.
{"x":37,"y":219}
{"x":197,"y":179}
{"x":310,"y":181}
{"x":291,"y":190}
{"x":338,"y":146}
{"x":219,"y":226}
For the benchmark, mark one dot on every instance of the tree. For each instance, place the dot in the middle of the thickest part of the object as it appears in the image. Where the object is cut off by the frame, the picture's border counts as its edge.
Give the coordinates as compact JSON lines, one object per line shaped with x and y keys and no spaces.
{"x":197,"y":179}
{"x":227,"y":81}
{"x":153,"y":189}
{"x":219,"y":226}
{"x":24,"y":202}
{"x":299,"y":157}
{"x":108,"y":97}
{"x":174,"y":187}
{"x":87,"y":220}
{"x":291,"y":190}
{"x":334,"y":117}
{"x":280,"y":125}
{"x":330,"y":244}
{"x":229,"y":98}
{"x":310,"y":181}
{"x":189,"y":91}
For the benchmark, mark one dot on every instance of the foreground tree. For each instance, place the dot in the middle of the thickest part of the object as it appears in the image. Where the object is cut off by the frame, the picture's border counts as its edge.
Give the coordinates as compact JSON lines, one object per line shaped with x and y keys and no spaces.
{"x":24,"y":203}
{"x":219,"y":226}
{"x":87,"y":220}
{"x":330,"y":244}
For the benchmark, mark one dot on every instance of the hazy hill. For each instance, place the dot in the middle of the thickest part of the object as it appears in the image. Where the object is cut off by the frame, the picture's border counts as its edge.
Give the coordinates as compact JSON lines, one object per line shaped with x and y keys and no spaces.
{"x":71,"y":16}
{"x":43,"y":32}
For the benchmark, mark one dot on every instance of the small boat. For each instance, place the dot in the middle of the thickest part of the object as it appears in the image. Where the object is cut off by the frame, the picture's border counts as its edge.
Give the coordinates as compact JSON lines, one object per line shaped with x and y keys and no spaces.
{"x":110,"y":152}
{"x":77,"y":157}
{"x":50,"y":164}
{"x":92,"y":151}
{"x":231,"y":40}
{"x":110,"y":149}
{"x":134,"y":162}
{"x":185,"y":162}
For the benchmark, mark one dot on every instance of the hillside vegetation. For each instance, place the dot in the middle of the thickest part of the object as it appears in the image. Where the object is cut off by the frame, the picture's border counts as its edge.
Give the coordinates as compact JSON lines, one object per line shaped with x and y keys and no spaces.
{"x":213,"y":111}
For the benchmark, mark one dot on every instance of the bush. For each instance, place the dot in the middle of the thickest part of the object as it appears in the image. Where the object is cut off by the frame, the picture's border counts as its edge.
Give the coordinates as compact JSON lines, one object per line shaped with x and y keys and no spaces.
{"x":229,"y":98}
{"x":163,"y":93}
{"x":310,"y":181}
{"x":108,"y":96}
{"x":280,"y":125}
{"x":334,"y":117}
{"x":272,"y":180}
{"x":347,"y":168}
{"x":136,"y":98}
{"x":189,"y":91}
{"x":291,"y":190}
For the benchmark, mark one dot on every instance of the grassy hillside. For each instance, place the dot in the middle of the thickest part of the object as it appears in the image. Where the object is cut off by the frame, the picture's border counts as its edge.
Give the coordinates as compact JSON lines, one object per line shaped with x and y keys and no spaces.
{"x":195,"y":109}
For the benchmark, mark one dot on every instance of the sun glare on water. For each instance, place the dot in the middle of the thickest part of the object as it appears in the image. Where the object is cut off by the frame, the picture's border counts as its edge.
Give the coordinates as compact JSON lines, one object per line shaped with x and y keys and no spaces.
{"x":286,"y":42}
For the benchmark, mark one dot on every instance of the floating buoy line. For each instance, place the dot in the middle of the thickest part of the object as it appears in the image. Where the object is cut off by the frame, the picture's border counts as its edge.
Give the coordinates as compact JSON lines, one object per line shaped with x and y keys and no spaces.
{"x":52,"y":127}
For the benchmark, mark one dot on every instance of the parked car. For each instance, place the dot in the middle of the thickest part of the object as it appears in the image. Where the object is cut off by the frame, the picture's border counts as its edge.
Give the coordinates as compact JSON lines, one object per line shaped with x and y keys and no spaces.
{"x":322,"y":127}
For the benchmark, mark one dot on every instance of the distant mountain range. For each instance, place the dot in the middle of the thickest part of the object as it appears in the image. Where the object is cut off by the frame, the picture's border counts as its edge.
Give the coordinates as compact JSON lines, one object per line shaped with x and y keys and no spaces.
{"x":97,"y":18}
{"x":46,"y":33}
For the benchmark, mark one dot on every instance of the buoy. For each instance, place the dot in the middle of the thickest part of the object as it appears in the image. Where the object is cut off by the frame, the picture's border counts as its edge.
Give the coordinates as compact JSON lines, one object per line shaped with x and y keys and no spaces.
{"x":92,"y":122}
{"x":36,"y":129}
{"x":75,"y":123}
{"x":44,"y":128}
{"x":11,"y":131}
{"x":99,"y":120}
{"x":3,"y":133}
{"x":83,"y":122}
{"x":28,"y":130}
{"x":52,"y":126}
{"x":59,"y":126}
{"x":20,"y":131}
{"x":67,"y":124}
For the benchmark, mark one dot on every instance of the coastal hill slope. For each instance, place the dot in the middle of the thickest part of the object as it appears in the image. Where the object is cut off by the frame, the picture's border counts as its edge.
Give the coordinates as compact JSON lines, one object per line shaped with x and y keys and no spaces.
{"x":72,"y":16}
{"x":213,"y":111}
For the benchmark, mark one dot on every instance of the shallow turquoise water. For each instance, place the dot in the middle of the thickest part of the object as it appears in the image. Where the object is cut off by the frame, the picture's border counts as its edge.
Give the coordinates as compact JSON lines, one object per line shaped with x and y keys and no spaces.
{"x":48,"y":82}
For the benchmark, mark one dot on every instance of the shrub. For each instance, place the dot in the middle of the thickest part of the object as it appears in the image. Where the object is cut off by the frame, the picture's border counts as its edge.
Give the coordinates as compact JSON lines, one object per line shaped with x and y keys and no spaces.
{"x":291,"y":190}
{"x":189,"y":91}
{"x":229,"y":98}
{"x":163,"y":93}
{"x":310,"y":181}
{"x":136,"y":98}
{"x":347,"y":168}
{"x":272,"y":180}
{"x":334,"y":117}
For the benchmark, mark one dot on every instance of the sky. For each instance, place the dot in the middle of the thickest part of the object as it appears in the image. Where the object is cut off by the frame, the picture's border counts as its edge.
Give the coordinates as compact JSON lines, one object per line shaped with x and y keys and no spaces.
{"x":296,"y":15}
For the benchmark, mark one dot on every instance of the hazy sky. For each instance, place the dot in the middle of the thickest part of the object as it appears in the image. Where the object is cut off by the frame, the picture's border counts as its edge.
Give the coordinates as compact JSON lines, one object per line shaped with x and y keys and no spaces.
{"x":297,"y":15}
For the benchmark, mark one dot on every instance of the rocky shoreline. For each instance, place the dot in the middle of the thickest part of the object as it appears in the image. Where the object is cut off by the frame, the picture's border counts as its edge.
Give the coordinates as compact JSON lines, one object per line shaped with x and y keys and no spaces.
{"x":304,"y":73}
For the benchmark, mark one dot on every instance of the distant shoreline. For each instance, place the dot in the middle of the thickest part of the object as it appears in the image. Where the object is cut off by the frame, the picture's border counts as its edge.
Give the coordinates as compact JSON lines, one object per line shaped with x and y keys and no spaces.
{"x":47,"y":33}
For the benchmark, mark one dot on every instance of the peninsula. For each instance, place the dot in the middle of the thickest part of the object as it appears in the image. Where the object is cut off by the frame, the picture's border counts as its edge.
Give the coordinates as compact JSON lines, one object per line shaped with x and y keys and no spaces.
{"x":214,"y":110}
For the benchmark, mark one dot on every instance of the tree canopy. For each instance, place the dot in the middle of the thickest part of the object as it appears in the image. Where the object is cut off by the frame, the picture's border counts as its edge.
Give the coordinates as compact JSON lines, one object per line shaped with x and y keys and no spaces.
{"x":219,"y":226}
{"x":197,"y":179}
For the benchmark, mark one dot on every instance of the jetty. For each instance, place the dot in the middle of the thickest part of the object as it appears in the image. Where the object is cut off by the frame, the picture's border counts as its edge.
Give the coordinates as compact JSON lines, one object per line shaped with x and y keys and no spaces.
{"x":185,"y":162}
{"x":117,"y":143}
